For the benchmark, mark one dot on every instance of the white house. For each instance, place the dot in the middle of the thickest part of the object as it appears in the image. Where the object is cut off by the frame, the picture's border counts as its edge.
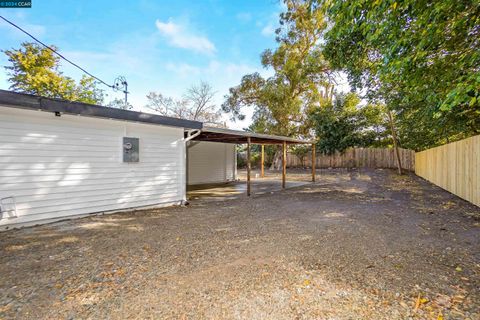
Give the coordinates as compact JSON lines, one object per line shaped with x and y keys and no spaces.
{"x":62,"y":159}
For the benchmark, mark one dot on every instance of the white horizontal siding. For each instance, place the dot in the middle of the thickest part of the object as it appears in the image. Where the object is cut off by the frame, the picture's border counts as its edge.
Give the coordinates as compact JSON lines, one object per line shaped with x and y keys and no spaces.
{"x":57,"y":167}
{"x":210,"y":162}
{"x":230,"y":161}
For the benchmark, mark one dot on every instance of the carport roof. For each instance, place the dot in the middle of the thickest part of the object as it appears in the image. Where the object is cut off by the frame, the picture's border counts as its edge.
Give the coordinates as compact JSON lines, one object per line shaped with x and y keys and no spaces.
{"x":213,"y":134}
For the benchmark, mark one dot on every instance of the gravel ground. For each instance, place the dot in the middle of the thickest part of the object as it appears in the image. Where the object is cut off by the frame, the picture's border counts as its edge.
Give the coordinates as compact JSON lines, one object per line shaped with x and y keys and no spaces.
{"x":355,"y":245}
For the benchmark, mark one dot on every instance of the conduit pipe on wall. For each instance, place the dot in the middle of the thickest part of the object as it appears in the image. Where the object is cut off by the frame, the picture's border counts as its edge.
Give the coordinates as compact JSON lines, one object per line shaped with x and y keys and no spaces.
{"x":191,"y":134}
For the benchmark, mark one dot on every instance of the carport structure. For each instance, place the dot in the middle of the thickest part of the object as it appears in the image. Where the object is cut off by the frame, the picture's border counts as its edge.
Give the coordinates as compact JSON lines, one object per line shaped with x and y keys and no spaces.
{"x":221,"y":135}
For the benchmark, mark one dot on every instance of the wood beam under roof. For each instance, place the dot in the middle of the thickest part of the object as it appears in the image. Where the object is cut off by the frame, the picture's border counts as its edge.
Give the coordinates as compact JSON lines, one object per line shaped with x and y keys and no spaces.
{"x":241,"y":137}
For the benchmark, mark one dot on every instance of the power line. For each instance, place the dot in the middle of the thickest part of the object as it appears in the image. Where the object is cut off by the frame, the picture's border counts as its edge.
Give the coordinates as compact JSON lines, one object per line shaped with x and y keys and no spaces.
{"x":57,"y":53}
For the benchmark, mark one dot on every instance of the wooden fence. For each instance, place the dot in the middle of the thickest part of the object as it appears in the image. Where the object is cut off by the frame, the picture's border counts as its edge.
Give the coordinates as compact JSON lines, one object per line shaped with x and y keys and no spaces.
{"x":357,"y":158}
{"x":454,"y":167}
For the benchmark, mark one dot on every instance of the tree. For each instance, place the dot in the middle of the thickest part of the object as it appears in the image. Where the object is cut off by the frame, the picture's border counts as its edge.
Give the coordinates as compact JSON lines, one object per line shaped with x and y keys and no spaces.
{"x":167,"y":106}
{"x":87,"y":91}
{"x":301,"y":151}
{"x":35,"y":69}
{"x":301,"y":76}
{"x":395,"y":140}
{"x":196,"y":104}
{"x":343,"y":123}
{"x":200,"y":98}
{"x":120,"y":104}
{"x":301,"y":79}
{"x":420,"y":58}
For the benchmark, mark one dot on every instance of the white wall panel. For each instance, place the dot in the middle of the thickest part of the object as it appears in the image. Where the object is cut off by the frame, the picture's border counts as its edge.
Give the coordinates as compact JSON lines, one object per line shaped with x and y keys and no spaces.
{"x":210,"y":162}
{"x":57,"y":167}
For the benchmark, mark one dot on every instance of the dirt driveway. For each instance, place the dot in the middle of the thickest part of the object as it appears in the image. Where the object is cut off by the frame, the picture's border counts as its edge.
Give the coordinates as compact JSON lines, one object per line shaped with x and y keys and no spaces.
{"x":356,"y":245}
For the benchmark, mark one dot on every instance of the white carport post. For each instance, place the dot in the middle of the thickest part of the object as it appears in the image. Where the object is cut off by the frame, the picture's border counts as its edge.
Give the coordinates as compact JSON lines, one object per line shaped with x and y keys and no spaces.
{"x":191,"y":134}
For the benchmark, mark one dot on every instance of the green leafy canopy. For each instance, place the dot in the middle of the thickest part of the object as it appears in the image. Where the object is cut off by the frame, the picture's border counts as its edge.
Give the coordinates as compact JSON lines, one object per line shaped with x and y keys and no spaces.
{"x":301,"y":76}
{"x":344,"y":123}
{"x":35,"y":69}
{"x":421,"y":58}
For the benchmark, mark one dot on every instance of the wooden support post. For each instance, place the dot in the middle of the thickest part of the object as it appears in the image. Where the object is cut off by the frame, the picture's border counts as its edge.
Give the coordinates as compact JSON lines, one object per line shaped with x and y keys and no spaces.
{"x":284,"y":164}
{"x":314,"y":162}
{"x":262,"y":162}
{"x":249,"y":166}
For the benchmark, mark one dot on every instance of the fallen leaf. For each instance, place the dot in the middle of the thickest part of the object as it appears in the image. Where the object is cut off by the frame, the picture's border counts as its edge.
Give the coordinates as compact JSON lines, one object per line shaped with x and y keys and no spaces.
{"x":417,"y":303}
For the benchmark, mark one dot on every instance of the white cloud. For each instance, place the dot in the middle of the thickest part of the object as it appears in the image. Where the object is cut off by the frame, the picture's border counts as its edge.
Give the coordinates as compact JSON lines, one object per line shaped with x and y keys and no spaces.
{"x":218,"y":71}
{"x":268,"y":30}
{"x":179,"y":36}
{"x":244,"y":17}
{"x":222,"y":75}
{"x":36,"y":30}
{"x":183,"y":70}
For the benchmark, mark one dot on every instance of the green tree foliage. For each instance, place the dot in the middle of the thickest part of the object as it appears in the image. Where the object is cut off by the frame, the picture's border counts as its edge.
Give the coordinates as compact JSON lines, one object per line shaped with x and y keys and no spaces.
{"x":420,"y":57}
{"x":87,"y":91}
{"x":343,"y":124}
{"x":301,"y":151}
{"x":282,"y":102}
{"x":35,"y":70}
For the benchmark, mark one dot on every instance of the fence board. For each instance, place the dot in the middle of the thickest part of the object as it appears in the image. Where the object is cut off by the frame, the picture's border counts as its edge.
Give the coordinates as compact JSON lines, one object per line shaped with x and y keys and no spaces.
{"x":454,"y":167}
{"x":358,"y":158}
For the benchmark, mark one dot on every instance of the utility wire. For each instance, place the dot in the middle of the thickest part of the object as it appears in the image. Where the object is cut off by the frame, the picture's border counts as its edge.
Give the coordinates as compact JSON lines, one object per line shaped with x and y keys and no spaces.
{"x":57,"y":53}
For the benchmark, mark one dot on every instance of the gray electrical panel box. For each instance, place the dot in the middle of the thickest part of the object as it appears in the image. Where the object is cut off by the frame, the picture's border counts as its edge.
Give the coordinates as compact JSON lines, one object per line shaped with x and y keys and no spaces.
{"x":131,"y":149}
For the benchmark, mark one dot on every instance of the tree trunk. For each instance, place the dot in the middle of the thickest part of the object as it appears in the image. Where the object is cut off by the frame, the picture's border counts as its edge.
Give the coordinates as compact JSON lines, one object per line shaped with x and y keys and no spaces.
{"x":277,"y":160}
{"x":249,"y":165}
{"x":395,"y":142}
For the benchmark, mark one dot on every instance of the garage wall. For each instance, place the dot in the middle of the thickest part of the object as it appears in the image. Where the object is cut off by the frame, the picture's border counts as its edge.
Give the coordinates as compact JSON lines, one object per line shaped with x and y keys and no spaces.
{"x":210,"y":162}
{"x":58,"y":167}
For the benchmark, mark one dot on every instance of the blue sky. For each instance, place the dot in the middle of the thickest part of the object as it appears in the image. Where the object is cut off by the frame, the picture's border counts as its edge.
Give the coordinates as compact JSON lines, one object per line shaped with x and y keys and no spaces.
{"x":162,"y":46}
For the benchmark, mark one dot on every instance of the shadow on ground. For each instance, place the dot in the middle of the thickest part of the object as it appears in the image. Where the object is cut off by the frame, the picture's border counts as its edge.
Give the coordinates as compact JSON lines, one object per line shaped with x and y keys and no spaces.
{"x":355,"y":245}
{"x":270,"y":183}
